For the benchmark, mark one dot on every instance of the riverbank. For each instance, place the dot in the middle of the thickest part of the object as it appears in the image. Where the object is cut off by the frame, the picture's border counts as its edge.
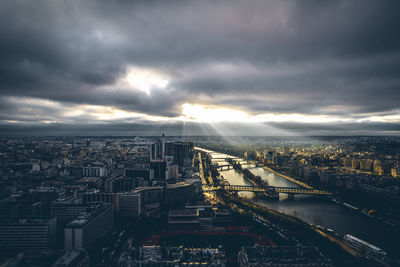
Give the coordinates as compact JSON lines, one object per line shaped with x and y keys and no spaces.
{"x":302,"y":232}
{"x":293,"y":227}
{"x":352,"y":207}
{"x":291,"y":179}
{"x":343,"y":220}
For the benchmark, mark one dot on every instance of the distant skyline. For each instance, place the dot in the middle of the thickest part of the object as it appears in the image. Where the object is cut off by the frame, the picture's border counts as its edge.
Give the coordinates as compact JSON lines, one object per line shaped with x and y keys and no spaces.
{"x":230,"y":68}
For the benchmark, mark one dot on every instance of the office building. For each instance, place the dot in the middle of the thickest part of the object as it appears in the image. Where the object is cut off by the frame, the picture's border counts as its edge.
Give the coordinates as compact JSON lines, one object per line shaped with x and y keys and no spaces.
{"x":146,"y":174}
{"x":129,"y":205}
{"x":30,"y":233}
{"x":183,"y":219}
{"x":173,"y":171}
{"x":119,"y":184}
{"x":94,"y":171}
{"x":183,"y":153}
{"x":179,"y":193}
{"x":132,"y":204}
{"x":157,"y":149}
{"x":67,"y":210}
{"x":160,"y":170}
{"x":169,"y":149}
{"x":150,"y":194}
{"x":84,"y":231}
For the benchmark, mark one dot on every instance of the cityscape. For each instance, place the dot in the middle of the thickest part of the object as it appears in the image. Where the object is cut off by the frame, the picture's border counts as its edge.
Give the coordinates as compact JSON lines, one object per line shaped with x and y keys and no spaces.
{"x":201,"y":201}
{"x":178,"y":133}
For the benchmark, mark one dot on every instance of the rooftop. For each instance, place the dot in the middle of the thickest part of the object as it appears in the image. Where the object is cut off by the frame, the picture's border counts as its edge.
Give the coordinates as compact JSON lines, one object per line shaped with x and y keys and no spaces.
{"x":183,"y":213}
{"x":82,"y":220}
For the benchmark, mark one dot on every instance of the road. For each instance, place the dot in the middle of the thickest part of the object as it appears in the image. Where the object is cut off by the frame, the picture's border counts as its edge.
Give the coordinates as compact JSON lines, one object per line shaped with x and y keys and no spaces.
{"x":201,"y":171}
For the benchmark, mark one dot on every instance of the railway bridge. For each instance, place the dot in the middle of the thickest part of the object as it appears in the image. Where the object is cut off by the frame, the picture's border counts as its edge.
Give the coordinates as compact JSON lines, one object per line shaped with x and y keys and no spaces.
{"x":267,"y":189}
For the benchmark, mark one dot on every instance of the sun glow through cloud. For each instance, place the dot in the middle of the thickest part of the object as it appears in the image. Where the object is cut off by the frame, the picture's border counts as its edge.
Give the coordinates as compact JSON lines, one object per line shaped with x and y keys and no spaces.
{"x":146,"y":79}
{"x":210,"y":114}
{"x":203,"y":113}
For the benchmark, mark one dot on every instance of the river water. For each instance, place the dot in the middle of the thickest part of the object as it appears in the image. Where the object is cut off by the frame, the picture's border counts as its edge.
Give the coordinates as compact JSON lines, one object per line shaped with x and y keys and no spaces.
{"x":319,"y":211}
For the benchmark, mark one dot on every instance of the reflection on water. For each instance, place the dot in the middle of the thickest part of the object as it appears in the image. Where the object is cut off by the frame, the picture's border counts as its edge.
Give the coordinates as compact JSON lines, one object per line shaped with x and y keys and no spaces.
{"x":272,"y":178}
{"x":320,"y":211}
{"x":236,"y":178}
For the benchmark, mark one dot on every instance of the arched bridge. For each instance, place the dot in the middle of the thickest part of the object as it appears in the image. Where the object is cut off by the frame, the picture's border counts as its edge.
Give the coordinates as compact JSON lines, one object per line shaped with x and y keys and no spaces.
{"x":228,"y":166}
{"x":267,"y":189}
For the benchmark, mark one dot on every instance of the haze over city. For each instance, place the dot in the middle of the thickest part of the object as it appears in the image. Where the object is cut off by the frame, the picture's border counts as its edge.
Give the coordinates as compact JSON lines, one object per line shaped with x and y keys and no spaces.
{"x":199,"y":67}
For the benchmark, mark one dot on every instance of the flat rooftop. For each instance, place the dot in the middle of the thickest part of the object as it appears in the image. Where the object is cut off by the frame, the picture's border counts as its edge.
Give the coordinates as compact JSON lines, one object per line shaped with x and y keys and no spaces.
{"x":183,"y":213}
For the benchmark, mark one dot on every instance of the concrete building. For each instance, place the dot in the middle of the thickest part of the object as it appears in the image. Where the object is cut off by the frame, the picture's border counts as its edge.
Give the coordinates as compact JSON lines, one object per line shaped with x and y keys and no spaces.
{"x":129,"y":205}
{"x":119,"y":184}
{"x":222,"y":217}
{"x":160,"y":169}
{"x":173,"y":171}
{"x":132,"y":204}
{"x":183,"y":153}
{"x":83,"y":232}
{"x":32,"y":233}
{"x":180,"y":193}
{"x":157,"y":149}
{"x":150,"y":194}
{"x":91,"y":182}
{"x":187,"y":219}
{"x":96,"y":196}
{"x":147,"y":174}
{"x":68,"y":210}
{"x":94,"y":171}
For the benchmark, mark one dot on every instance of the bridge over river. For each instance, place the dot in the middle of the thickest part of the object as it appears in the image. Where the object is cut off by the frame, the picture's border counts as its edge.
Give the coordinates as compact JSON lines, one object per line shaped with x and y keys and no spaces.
{"x":268,"y":189}
{"x":312,"y":210}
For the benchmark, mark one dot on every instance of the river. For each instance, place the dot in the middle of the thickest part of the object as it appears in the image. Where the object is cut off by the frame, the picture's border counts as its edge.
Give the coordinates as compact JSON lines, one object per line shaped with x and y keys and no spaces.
{"x":320,"y":211}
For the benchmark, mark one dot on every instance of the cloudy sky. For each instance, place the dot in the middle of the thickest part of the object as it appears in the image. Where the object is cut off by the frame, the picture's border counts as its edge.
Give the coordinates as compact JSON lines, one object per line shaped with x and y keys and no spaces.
{"x":199,"y":67}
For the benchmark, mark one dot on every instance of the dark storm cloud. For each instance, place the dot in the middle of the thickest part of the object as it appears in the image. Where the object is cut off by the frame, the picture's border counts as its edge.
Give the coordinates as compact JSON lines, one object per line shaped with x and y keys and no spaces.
{"x":195,"y":129}
{"x":306,"y":57}
{"x":369,"y":128}
{"x":370,"y":85}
